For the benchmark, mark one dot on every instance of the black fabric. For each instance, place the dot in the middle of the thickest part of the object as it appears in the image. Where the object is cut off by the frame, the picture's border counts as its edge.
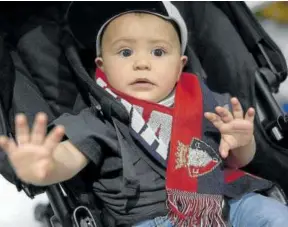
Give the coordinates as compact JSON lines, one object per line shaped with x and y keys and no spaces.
{"x":42,"y":54}
{"x":86,"y":35}
{"x":108,"y":105}
{"x":14,"y":14}
{"x":7,"y":75}
{"x":27,"y":98}
{"x":220,"y":50}
{"x":44,"y":80}
{"x":99,"y":142}
{"x":81,"y":131}
{"x":7,"y":79}
{"x":195,"y":67}
{"x":253,"y":34}
{"x":271,"y":160}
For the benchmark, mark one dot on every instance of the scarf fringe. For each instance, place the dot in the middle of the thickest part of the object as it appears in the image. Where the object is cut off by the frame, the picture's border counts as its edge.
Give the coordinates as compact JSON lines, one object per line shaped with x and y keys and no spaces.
{"x":190,"y":209}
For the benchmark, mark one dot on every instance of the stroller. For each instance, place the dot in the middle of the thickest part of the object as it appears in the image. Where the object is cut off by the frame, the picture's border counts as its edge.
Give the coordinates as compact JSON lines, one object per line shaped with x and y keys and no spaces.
{"x":40,"y":55}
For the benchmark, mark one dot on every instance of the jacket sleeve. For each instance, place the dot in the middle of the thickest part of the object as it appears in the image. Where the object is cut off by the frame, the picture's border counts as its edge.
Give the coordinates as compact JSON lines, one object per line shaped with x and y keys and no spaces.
{"x":86,"y":132}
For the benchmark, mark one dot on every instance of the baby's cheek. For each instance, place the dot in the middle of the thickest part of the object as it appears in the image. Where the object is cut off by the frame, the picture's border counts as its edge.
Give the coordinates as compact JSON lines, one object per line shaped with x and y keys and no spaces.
{"x":174,"y":69}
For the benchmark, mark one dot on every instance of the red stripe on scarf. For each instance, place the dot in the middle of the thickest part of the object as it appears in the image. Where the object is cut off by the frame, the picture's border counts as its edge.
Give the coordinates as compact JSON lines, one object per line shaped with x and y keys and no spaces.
{"x":185,"y":115}
{"x":231,"y":175}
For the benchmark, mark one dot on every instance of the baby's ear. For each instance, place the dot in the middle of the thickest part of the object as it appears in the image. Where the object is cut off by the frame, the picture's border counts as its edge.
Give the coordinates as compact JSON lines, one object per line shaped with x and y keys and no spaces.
{"x":184,"y":60}
{"x":99,"y":63}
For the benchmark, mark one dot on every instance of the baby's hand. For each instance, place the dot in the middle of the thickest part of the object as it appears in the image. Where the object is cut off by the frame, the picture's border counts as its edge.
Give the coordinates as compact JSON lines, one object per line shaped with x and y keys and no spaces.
{"x":235,"y":128}
{"x":32,"y":156}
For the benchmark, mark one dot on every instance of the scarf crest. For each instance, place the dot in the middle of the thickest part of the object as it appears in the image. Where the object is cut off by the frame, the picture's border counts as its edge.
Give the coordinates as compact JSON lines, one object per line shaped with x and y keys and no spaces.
{"x":196,"y":180}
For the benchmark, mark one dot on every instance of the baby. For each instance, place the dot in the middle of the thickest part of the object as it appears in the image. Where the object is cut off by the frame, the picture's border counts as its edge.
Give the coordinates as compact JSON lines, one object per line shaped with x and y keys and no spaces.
{"x":167,"y":153}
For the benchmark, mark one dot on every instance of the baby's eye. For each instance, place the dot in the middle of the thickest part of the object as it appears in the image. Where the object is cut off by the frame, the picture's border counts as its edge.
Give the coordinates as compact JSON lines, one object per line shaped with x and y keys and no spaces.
{"x":125,"y":53}
{"x":158,"y":52}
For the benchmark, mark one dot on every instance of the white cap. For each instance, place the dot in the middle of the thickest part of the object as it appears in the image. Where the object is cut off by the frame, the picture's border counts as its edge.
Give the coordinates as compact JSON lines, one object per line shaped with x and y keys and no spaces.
{"x":163,"y":9}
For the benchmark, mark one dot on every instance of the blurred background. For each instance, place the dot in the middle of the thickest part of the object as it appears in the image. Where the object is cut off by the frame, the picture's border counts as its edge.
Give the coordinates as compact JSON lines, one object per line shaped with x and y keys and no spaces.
{"x":16,"y":209}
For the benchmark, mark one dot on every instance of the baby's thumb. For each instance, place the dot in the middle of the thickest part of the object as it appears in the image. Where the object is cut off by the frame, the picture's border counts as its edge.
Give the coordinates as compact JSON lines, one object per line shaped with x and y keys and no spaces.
{"x":224,"y":149}
{"x":7,"y":144}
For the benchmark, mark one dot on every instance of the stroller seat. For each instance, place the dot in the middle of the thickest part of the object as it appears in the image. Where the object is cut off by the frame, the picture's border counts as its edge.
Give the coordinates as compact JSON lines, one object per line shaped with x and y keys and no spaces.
{"x":51,"y":71}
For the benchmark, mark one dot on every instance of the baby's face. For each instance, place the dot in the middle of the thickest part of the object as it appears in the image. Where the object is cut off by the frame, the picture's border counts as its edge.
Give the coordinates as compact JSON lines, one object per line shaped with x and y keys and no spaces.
{"x":141,"y":56}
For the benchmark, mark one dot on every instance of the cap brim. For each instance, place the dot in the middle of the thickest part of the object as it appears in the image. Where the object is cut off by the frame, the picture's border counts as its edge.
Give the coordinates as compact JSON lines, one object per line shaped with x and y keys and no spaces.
{"x":86,"y":18}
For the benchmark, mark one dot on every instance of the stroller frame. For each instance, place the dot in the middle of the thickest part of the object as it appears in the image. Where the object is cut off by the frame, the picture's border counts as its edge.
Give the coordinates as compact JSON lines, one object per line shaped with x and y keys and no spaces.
{"x":66,"y":211}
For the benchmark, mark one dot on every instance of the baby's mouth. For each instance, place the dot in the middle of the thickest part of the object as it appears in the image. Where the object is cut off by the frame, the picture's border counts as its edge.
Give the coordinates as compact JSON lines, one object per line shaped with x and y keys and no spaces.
{"x":142,"y":83}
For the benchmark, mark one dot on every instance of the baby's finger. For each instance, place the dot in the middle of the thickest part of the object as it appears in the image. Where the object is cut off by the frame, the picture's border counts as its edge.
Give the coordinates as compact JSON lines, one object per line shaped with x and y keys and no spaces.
{"x":8,"y":145}
{"x":4,"y":143}
{"x":237,"y":126}
{"x":39,"y":129}
{"x":237,"y":108}
{"x":224,"y":149}
{"x":22,"y":129}
{"x":250,"y":115}
{"x":226,"y":115}
{"x":214,"y":118}
{"x":54,"y":137}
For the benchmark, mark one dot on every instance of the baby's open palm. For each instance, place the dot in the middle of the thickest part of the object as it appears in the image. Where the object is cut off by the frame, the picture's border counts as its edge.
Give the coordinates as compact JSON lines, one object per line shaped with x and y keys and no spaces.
{"x":236,"y":128}
{"x":32,"y":155}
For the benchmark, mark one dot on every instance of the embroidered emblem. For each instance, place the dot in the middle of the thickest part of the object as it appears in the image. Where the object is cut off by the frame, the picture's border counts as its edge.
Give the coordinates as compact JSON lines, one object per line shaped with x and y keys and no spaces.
{"x":199,"y":158}
{"x":181,"y":155}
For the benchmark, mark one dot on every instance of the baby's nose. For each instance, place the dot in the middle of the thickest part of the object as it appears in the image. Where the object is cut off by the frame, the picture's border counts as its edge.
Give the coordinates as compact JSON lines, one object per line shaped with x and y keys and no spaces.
{"x":142,"y":64}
